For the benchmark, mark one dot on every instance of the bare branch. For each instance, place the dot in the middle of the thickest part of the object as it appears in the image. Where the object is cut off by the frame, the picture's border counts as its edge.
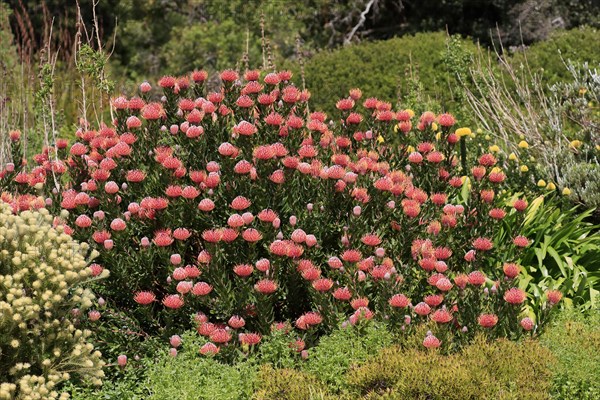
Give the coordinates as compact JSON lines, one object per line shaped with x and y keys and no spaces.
{"x":361,"y":21}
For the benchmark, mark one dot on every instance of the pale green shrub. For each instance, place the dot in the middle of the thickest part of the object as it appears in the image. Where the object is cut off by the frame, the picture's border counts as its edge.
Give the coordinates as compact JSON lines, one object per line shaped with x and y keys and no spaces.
{"x":41,"y":273}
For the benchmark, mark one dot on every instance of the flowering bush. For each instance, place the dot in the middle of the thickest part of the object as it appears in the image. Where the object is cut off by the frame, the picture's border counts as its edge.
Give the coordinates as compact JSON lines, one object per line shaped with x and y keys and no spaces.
{"x":240,"y":206}
{"x":41,"y":300}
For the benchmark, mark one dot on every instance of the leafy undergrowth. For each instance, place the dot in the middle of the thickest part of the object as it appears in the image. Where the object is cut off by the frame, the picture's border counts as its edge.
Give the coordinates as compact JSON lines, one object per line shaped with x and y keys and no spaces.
{"x":360,"y":362}
{"x":574,"y":339}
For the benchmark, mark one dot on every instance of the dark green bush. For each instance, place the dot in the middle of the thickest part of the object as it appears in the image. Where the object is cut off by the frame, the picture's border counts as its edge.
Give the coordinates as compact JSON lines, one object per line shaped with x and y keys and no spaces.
{"x":381,"y":69}
{"x":574,"y":339}
{"x":578,"y":45}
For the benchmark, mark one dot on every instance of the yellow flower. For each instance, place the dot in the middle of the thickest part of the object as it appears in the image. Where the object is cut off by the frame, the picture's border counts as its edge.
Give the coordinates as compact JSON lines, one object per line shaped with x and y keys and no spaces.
{"x":598,"y":147}
{"x":523,"y":144}
{"x":438,"y":136}
{"x":582,"y":91}
{"x":380,"y":139}
{"x":522,"y":137}
{"x":495,"y":170}
{"x":487,"y":137}
{"x":566,"y":191}
{"x":494,"y":148}
{"x":575,"y":144}
{"x":551,"y":186}
{"x":512,"y":157}
{"x":396,"y":128}
{"x":541,"y":183}
{"x":460,"y":132}
{"x":524,"y":168}
{"x":480,"y":131}
{"x":434,"y":126}
{"x":410,"y":112}
{"x":410,"y":149}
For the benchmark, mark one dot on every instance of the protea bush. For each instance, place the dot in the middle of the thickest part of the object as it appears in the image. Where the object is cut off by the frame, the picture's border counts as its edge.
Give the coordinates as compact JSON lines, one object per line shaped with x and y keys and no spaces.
{"x":239,"y":206}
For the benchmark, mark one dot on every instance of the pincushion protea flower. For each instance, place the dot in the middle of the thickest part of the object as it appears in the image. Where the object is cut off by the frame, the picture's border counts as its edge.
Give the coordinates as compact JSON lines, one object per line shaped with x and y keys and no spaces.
{"x":431,"y":342}
{"x":553,"y":296}
{"x":515,"y":296}
{"x":144,"y":298}
{"x":487,"y":320}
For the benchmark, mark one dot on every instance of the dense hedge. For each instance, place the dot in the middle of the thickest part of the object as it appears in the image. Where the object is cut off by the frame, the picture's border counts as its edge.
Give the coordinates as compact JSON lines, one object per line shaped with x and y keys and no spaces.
{"x":578,"y":45}
{"x":382,"y":68}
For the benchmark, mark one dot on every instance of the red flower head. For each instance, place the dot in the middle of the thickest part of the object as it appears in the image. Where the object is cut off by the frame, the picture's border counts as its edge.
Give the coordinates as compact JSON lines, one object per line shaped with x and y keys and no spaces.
{"x":399,"y":301}
{"x":209,"y":349}
{"x":229,"y":75}
{"x":477,"y":278}
{"x":236,"y":322}
{"x":461,"y":280}
{"x":243,"y":270}
{"x":515,"y":296}
{"x":249,"y":339}
{"x":201,"y":289}
{"x":173,"y":301}
{"x":240,"y":203}
{"x":422,"y":309}
{"x":520,"y":204}
{"x":431,"y":342}
{"x":220,"y":336}
{"x":527,"y":324}
{"x":521,"y":241}
{"x":482,"y":244}
{"x":553,"y":296}
{"x":144,"y":298}
{"x":322,"y":285}
{"x":511,"y":270}
{"x":446,"y":120}
{"x":371,"y":240}
{"x":487,"y":320}
{"x":441,"y":316}
{"x":343,"y":294}
{"x":266,"y":286}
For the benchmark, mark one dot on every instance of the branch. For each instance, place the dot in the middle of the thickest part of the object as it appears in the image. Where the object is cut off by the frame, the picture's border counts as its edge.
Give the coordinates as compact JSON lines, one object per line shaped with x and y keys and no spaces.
{"x":361,"y":21}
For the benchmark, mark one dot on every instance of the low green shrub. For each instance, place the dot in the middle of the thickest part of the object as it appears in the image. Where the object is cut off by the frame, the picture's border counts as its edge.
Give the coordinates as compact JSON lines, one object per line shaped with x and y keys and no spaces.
{"x":499,"y":369}
{"x":42,"y":300}
{"x":574,"y":339}
{"x":344,"y":348}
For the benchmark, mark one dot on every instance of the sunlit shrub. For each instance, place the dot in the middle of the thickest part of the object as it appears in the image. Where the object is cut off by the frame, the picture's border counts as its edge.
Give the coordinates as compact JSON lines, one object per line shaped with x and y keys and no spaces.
{"x":242,"y":208}
{"x":500,"y":370}
{"x":42,"y":270}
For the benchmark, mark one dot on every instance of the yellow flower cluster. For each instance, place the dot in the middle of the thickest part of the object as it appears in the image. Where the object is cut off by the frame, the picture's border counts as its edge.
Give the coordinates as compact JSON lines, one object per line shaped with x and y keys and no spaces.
{"x":41,"y":269}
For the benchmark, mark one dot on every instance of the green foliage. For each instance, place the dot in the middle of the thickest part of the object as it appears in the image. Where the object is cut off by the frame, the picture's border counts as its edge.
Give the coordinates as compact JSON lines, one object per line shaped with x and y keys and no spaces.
{"x":383,"y":69}
{"x":578,"y":45}
{"x":276,"y":349}
{"x":564,"y":254}
{"x":500,"y":370}
{"x":343,"y":349}
{"x":574,"y":339}
{"x":192,"y":377}
{"x":212,"y":45}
